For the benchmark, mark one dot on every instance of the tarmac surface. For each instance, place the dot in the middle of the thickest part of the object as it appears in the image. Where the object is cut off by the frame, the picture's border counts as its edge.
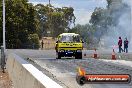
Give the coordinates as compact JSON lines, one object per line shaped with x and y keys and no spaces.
{"x":64,"y":71}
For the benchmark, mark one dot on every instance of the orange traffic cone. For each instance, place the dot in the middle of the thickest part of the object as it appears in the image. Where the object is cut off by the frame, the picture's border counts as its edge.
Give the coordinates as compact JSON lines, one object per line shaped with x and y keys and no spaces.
{"x":95,"y":54}
{"x":113,"y":55}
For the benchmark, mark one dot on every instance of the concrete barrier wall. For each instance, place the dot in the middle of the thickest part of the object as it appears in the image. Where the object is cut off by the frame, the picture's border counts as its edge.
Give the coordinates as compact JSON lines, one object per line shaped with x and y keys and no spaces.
{"x":25,"y":75}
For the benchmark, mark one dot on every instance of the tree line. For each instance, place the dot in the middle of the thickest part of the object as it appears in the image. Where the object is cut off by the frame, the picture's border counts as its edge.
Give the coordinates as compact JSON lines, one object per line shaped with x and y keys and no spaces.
{"x":26,"y":23}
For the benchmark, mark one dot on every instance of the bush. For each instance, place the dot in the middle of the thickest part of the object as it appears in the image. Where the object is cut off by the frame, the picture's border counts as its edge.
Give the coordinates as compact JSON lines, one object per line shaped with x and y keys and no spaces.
{"x":34,"y":40}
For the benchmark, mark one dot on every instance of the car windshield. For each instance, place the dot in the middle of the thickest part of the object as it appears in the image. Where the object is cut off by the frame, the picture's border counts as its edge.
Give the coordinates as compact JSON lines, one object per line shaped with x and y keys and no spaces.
{"x":70,"y":38}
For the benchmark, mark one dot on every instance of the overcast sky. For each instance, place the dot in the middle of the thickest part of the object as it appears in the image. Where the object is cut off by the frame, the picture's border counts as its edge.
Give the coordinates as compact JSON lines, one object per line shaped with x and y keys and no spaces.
{"x":83,"y":8}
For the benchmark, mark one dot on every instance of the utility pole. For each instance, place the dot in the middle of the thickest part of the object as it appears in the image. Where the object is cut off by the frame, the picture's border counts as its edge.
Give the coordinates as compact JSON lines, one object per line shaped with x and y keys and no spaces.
{"x":49,"y":2}
{"x":4,"y":44}
{"x":2,"y":60}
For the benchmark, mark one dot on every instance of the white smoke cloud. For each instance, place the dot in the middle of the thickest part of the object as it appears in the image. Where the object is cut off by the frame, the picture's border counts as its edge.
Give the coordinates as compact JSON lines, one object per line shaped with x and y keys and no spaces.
{"x":129,"y":2}
{"x":123,"y":29}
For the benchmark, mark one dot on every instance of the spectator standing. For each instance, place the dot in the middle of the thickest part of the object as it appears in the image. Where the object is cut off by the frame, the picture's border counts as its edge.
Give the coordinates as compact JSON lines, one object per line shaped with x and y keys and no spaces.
{"x":120,"y":45}
{"x":42,"y":44}
{"x":126,"y":45}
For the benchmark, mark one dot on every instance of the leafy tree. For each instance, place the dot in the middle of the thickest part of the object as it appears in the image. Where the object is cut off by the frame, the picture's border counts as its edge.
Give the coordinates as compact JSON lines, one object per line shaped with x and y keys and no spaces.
{"x":33,"y":41}
{"x":23,"y":21}
{"x":20,"y":23}
{"x":55,"y":20}
{"x":41,"y":19}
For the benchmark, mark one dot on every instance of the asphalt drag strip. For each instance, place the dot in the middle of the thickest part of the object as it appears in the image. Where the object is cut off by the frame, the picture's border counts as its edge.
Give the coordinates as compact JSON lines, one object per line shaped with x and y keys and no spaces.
{"x":64,"y":71}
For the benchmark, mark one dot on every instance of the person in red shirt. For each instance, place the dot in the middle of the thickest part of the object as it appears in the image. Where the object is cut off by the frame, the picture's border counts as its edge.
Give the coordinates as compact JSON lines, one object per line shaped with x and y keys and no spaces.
{"x":120,"y":45}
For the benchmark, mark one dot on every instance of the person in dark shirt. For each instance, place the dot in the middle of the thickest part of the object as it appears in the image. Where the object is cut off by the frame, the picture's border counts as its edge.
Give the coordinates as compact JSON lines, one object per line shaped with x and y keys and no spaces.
{"x":126,"y":45}
{"x":120,"y":45}
{"x":42,"y":44}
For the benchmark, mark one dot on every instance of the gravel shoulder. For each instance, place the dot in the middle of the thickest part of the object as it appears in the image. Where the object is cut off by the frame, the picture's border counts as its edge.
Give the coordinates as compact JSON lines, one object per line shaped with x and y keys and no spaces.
{"x":5,"y":81}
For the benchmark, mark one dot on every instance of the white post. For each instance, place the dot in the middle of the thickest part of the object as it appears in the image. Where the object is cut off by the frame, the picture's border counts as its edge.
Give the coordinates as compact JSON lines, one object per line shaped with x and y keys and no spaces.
{"x":4,"y":45}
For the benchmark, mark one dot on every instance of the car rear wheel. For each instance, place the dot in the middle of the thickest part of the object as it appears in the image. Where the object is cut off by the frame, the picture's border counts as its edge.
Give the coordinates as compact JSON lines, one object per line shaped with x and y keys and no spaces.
{"x":58,"y":56}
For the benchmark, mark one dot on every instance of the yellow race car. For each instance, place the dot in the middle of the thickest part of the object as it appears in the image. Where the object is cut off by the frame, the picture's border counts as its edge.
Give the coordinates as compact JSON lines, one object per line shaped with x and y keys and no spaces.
{"x":69,"y":45}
